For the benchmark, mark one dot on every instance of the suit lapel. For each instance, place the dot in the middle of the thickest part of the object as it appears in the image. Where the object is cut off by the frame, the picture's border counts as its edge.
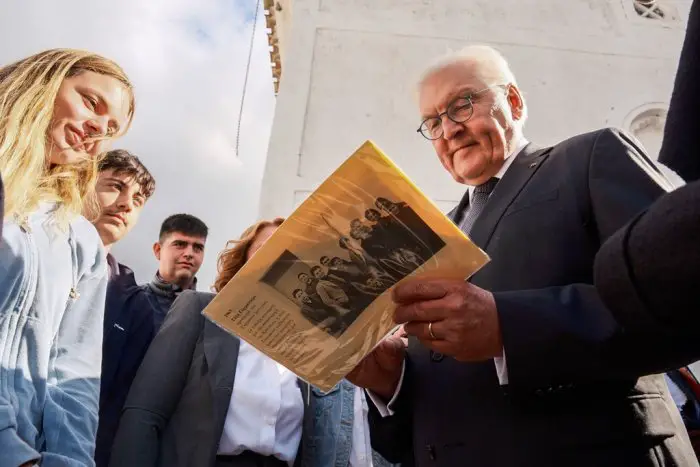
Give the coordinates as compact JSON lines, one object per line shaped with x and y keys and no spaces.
{"x":221,"y":354}
{"x":507,"y":189}
{"x":457,"y":213}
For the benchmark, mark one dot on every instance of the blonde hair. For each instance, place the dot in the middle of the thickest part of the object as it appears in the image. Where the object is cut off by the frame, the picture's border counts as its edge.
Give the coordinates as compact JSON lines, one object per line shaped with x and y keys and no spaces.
{"x":28,"y":89}
{"x":491,"y":67}
{"x":232,"y":259}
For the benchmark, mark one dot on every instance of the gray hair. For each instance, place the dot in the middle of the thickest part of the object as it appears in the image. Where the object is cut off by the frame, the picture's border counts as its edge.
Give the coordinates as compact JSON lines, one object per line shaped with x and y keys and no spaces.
{"x":490,"y":65}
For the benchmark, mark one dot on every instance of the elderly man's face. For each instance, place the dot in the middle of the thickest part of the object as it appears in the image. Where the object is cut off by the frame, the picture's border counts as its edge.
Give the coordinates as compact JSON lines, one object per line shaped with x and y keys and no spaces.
{"x":473,"y":151}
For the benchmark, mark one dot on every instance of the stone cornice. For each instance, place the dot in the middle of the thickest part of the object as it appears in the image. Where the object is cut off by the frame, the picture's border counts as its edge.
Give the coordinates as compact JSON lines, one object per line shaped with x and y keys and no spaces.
{"x":273,"y":41}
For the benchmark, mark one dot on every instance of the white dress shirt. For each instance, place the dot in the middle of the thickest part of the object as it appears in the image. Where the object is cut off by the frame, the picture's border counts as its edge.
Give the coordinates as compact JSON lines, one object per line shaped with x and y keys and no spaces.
{"x":500,"y":362}
{"x":361,"y":448}
{"x":266,"y":409}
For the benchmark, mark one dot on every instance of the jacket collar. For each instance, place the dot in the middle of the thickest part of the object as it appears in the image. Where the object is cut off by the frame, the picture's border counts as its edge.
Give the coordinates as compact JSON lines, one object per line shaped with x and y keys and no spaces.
{"x":161,"y":287}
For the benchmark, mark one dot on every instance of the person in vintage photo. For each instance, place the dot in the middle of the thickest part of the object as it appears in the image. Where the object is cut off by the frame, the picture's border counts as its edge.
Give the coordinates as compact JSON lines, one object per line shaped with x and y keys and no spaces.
{"x":369,"y":241}
{"x":376,"y":250}
{"x":385,"y":227}
{"x":308,"y":283}
{"x":346,"y":284}
{"x":350,"y":272}
{"x":421,"y":238}
{"x":374,"y":279}
{"x":341,"y":269}
{"x":395,"y":238}
{"x":357,"y":254}
{"x":318,"y":314}
{"x":331,"y":294}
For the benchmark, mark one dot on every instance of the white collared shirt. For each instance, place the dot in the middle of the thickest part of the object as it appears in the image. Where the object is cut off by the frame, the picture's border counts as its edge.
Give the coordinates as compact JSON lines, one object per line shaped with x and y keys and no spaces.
{"x":500,"y":362}
{"x":361,"y":447}
{"x":266,"y":409}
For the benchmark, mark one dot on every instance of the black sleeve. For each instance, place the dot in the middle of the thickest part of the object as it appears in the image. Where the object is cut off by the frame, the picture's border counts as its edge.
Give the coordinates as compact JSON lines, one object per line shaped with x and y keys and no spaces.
{"x":158,"y":385}
{"x":392,"y":437}
{"x":561,"y":336}
{"x":649,"y":272}
{"x":679,"y":147}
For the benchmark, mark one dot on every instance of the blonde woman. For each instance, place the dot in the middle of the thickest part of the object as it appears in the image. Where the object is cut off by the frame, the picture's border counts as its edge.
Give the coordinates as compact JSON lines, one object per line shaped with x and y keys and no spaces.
{"x":58,"y":111}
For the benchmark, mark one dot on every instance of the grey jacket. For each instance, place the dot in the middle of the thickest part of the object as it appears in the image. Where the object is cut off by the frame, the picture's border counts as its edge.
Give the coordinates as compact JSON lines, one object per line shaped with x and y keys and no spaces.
{"x":176,"y":409}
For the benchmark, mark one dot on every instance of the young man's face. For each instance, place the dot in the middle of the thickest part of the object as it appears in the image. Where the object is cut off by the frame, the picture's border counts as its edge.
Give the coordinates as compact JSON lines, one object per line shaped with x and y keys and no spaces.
{"x":180,"y":257}
{"x":121,"y":201}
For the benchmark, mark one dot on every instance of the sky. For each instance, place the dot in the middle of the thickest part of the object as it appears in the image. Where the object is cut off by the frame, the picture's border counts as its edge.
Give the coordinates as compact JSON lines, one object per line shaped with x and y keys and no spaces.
{"x":187,"y":61}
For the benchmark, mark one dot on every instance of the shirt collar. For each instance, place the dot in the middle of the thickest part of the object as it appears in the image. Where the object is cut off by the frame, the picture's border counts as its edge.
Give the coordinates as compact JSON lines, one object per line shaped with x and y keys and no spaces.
{"x":507,"y":163}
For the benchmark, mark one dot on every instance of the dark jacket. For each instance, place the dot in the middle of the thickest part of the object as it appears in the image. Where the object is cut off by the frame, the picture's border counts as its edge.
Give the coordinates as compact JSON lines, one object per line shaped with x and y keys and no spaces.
{"x":177,"y":409}
{"x":577,"y":392}
{"x":648,"y":272}
{"x":128,"y":331}
{"x":161,"y":295}
{"x":679,"y":148}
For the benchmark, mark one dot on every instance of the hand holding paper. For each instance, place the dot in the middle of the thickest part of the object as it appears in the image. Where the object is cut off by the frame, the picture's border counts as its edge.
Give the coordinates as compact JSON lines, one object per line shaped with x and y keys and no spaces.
{"x":380,"y":371}
{"x":452,"y":317}
{"x":317,"y":296}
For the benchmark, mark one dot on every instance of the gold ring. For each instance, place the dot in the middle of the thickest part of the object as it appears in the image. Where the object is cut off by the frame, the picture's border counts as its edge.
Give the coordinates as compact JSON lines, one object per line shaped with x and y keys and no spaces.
{"x":430,"y":331}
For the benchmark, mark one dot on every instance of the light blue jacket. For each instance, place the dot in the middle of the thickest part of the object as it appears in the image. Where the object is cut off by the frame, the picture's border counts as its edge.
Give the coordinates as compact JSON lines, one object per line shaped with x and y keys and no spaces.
{"x":52,"y":296}
{"x":329,"y":442}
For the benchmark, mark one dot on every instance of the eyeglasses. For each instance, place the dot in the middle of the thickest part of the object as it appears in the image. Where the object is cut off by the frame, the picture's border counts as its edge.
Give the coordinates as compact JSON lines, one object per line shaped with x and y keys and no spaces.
{"x":459,"y":110}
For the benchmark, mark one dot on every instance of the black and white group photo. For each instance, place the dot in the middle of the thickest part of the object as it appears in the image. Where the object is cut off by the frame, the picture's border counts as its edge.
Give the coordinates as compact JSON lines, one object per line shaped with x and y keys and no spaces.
{"x":377,"y":250}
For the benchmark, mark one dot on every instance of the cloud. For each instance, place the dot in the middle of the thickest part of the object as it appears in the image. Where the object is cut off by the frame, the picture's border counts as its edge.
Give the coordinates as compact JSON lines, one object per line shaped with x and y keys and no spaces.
{"x":187,"y":61}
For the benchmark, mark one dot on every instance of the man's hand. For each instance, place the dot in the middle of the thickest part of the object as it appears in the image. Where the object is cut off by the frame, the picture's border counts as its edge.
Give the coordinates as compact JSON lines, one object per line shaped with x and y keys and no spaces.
{"x":462,"y":317}
{"x":380,"y":371}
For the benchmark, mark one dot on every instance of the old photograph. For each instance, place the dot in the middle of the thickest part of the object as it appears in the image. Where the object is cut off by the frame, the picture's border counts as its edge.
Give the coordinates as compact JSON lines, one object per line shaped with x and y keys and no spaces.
{"x":369,"y":255}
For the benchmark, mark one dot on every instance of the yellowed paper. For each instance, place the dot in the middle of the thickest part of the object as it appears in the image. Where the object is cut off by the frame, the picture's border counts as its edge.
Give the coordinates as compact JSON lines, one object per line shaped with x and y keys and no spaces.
{"x":317,"y":296}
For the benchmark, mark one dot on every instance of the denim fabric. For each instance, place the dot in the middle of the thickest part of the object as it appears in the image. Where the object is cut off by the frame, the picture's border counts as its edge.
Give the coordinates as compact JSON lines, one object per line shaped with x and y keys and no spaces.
{"x":52,"y":296}
{"x":329,"y":440}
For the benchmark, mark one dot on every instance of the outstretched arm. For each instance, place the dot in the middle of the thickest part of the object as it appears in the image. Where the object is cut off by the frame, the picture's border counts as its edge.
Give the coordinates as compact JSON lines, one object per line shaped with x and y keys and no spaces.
{"x":648,"y":272}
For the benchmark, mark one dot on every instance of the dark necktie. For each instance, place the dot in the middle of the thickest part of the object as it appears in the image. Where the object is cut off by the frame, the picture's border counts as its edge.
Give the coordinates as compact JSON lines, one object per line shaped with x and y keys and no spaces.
{"x":477,"y":204}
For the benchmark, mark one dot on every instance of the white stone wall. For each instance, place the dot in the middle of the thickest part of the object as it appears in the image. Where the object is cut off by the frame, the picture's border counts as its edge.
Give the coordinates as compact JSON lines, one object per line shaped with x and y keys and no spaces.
{"x":349,"y":68}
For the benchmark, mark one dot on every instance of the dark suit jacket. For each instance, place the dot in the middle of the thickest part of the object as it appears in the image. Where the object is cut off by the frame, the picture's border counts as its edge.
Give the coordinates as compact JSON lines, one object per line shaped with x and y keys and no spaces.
{"x":574,"y":397}
{"x":128,"y":331}
{"x":177,"y":406}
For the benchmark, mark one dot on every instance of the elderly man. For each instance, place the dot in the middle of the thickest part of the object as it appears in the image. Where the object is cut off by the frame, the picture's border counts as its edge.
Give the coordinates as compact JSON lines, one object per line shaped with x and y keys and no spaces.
{"x":522,"y":365}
